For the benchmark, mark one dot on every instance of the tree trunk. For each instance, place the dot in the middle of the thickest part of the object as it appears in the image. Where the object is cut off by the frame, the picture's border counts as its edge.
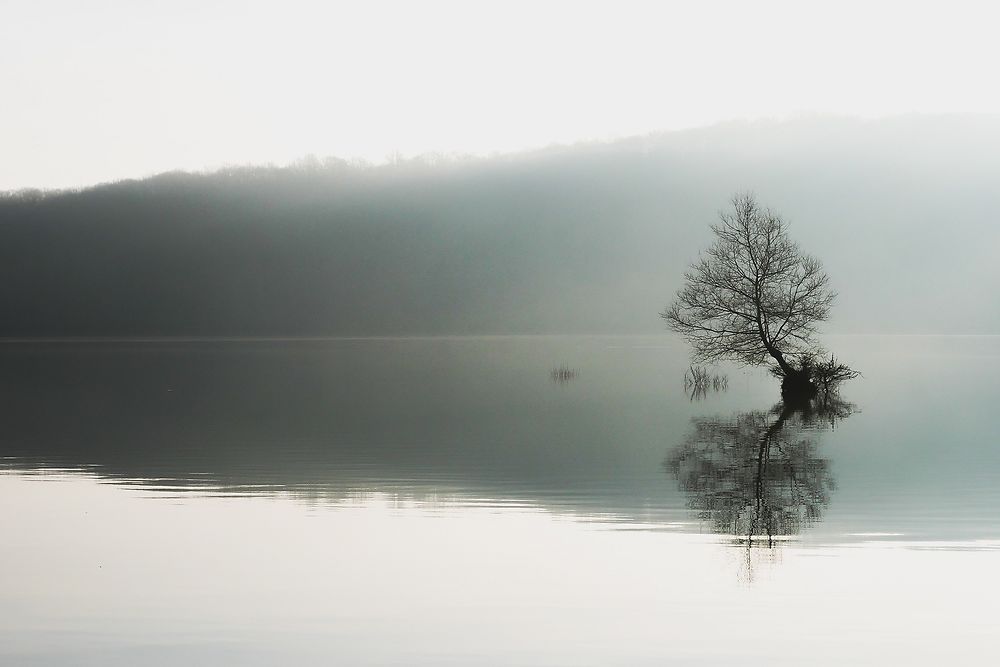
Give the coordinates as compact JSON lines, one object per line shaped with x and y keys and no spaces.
{"x":796,"y":384}
{"x":798,"y":387}
{"x":786,"y":368}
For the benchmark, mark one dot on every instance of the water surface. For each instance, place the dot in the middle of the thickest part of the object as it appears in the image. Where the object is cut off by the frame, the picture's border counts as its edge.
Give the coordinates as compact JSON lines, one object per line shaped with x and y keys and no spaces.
{"x":450,"y":501}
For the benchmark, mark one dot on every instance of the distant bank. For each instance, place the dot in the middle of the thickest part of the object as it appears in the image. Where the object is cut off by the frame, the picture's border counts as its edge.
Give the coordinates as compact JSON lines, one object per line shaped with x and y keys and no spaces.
{"x":590,"y":238}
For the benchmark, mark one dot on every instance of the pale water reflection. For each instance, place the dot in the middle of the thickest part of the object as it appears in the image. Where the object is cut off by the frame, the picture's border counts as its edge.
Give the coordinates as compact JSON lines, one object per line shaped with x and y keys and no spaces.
{"x":443,"y":501}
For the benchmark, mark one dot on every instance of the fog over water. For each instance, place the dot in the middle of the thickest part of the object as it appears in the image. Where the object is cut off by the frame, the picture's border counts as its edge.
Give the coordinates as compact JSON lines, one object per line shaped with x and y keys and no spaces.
{"x":248,"y":416}
{"x":590,"y":238}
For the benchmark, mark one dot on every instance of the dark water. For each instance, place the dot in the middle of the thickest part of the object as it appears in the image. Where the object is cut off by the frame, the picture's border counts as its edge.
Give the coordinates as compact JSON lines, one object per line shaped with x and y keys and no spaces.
{"x":451,"y":501}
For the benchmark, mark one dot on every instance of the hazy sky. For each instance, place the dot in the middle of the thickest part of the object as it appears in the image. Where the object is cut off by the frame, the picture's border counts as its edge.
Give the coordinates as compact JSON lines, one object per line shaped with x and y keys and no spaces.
{"x":109,"y":89}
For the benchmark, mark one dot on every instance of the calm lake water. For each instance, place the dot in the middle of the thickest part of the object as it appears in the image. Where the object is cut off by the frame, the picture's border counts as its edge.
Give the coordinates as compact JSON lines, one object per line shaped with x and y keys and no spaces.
{"x":450,"y":502}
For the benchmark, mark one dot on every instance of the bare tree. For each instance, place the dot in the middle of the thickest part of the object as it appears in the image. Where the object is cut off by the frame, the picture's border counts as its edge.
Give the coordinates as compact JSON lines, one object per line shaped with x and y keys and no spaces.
{"x":754,"y":297}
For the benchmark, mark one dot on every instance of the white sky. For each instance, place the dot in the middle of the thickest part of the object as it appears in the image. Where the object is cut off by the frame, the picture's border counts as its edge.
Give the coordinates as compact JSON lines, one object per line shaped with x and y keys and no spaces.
{"x":99,"y":90}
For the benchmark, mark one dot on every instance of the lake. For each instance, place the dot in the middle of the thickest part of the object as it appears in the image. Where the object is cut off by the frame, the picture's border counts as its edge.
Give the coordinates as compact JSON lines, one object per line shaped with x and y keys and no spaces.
{"x":452,"y":501}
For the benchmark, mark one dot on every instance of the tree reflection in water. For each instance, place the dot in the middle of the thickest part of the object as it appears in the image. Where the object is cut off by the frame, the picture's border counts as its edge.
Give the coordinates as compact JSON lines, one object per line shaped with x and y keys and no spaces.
{"x":758,"y":476}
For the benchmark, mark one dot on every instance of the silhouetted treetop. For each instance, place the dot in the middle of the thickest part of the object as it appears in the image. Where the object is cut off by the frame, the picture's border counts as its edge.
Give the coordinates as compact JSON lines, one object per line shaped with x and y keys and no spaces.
{"x":754,"y":296}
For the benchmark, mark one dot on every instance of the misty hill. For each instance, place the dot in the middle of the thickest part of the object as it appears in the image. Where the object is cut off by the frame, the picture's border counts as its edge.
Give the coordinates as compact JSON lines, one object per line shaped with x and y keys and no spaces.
{"x":581,"y":239}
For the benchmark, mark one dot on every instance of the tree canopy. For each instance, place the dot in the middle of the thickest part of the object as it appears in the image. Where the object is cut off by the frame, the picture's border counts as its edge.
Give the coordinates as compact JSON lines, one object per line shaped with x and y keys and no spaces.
{"x":753,"y":297}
